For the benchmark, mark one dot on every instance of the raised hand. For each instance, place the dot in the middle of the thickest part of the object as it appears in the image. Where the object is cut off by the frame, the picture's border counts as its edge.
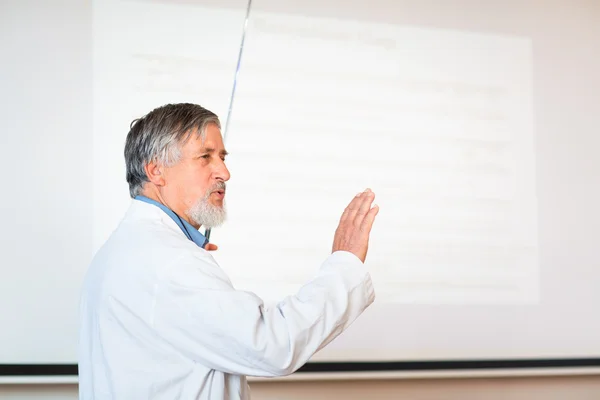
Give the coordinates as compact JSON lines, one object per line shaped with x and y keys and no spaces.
{"x":352,"y":233}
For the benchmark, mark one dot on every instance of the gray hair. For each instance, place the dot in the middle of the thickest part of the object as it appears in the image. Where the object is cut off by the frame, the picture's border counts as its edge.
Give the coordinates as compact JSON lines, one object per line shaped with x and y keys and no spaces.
{"x":158,"y":137}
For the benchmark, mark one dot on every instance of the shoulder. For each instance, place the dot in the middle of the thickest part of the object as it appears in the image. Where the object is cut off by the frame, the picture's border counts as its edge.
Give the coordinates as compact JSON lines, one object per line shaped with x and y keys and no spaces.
{"x":195,"y":268}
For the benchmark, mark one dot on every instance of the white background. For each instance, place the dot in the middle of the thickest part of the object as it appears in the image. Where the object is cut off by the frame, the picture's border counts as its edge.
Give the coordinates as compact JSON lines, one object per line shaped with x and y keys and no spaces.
{"x":63,"y":191}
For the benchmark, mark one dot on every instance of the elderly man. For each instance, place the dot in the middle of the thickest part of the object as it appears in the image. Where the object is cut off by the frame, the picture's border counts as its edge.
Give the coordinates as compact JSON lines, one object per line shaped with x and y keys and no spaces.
{"x":160,"y":320}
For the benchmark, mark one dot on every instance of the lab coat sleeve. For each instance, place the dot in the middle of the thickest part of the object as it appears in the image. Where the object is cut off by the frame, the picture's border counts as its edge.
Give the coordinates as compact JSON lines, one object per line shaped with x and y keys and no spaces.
{"x":199,"y":312}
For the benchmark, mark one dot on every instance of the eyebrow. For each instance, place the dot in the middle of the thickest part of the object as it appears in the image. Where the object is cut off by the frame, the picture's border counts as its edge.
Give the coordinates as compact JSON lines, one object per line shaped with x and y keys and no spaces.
{"x":210,"y":150}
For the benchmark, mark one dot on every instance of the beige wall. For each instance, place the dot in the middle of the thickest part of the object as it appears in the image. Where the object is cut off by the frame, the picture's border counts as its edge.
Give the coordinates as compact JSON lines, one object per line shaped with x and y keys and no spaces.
{"x":546,"y":388}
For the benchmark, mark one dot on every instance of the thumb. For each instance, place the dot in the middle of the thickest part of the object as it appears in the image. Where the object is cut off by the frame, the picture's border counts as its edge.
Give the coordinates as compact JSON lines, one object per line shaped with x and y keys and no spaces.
{"x":211,"y":247}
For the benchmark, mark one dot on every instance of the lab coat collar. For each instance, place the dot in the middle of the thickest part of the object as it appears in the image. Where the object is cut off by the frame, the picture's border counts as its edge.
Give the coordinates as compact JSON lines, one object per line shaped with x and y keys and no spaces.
{"x":188,"y":230}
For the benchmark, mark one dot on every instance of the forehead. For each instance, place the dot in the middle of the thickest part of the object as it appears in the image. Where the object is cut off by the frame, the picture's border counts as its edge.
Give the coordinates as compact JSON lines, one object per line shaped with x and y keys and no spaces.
{"x":212,"y":138}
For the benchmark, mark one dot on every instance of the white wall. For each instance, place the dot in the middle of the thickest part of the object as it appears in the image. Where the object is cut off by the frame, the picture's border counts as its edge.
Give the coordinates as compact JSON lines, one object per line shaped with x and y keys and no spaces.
{"x":563,"y":18}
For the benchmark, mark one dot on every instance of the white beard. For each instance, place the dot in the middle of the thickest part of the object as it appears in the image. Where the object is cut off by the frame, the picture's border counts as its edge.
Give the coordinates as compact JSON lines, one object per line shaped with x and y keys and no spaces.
{"x":206,"y":214}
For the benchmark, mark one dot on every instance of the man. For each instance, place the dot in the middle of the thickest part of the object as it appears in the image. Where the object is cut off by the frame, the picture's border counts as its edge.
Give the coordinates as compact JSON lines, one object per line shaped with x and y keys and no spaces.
{"x":160,"y":319}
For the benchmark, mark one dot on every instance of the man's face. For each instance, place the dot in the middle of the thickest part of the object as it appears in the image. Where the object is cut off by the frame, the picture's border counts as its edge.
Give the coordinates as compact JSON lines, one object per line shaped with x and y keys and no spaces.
{"x":196,"y":184}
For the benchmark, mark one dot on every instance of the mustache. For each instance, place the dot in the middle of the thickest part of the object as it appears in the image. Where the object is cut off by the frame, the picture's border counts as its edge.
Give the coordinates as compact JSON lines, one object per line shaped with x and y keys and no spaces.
{"x":220,"y":185}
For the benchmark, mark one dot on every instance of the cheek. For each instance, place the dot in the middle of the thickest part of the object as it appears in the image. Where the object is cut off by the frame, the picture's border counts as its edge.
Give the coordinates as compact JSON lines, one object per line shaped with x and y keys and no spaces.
{"x":186,"y":181}
{"x":197,"y":183}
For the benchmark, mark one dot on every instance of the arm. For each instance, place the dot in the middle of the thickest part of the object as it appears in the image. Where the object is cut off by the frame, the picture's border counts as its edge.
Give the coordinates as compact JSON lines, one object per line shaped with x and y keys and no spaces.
{"x":228,"y":330}
{"x":203,"y":316}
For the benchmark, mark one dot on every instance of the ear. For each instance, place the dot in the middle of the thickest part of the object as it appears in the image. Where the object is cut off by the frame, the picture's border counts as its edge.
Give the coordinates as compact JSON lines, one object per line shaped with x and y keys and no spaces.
{"x":155,"y":173}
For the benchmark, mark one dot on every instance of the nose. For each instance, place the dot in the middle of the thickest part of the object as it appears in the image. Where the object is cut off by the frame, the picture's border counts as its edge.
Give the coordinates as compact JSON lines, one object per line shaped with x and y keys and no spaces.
{"x":221,"y":172}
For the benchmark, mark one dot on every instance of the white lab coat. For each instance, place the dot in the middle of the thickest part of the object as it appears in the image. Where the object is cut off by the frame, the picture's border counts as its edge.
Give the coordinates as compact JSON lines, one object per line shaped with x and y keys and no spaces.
{"x":159,"y":319}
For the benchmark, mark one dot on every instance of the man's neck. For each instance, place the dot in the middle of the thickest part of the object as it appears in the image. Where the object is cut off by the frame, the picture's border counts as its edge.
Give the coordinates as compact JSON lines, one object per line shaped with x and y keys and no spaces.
{"x":155,"y":195}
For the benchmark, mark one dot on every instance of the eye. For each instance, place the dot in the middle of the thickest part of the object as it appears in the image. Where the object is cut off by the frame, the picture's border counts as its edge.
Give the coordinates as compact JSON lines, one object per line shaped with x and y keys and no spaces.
{"x":205,"y":156}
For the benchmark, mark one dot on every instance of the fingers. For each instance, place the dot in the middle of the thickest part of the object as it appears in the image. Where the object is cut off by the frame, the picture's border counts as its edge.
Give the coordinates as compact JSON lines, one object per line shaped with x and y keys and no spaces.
{"x":362,"y":206}
{"x":365,"y":206}
{"x":367,"y":222}
{"x":352,"y":207}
